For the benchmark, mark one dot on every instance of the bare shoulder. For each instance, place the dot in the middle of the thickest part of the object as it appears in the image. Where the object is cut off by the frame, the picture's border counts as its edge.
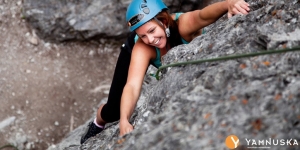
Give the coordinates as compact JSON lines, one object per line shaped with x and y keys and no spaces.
{"x":188,"y":24}
{"x":189,"y":16}
{"x":142,"y":50}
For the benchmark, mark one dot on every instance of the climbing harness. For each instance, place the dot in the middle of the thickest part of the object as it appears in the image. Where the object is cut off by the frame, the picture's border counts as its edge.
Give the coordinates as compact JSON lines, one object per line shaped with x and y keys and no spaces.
{"x":229,"y":57}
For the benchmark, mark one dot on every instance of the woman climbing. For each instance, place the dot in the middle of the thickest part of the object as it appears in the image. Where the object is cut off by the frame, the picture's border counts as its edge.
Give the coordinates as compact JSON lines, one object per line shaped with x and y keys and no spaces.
{"x":155,"y":31}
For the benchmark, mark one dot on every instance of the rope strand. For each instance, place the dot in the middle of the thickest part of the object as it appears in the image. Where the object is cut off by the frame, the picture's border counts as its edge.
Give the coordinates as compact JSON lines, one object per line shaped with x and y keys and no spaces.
{"x":9,"y":145}
{"x":229,"y":57}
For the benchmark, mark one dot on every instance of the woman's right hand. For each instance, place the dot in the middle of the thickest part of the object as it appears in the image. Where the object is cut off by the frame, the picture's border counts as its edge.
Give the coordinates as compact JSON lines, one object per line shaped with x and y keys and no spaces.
{"x":125,"y":127}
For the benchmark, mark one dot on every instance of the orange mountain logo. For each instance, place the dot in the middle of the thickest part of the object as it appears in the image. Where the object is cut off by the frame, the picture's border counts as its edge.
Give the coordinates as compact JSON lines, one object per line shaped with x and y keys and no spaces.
{"x":232,"y":141}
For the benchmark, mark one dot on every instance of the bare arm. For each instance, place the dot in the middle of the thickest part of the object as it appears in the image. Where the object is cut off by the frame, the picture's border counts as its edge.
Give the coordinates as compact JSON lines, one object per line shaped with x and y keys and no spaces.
{"x":191,"y":22}
{"x":140,"y":57}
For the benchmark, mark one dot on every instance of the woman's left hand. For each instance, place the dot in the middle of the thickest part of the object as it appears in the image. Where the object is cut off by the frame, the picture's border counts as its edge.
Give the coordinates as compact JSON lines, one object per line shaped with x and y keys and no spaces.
{"x":125,"y":127}
{"x":237,"y":7}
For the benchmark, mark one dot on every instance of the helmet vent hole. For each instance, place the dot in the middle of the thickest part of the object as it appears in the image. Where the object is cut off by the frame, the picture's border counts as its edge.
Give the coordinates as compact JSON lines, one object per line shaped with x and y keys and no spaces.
{"x":146,"y":10}
{"x":143,"y":5}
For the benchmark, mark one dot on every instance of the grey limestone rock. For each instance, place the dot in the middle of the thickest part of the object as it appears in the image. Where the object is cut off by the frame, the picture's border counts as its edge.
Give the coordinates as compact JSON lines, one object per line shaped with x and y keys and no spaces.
{"x":73,"y":20}
{"x":197,"y":106}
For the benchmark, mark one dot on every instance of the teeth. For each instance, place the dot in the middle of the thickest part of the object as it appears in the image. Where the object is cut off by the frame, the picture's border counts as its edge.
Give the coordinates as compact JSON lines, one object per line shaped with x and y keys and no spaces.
{"x":157,"y":42}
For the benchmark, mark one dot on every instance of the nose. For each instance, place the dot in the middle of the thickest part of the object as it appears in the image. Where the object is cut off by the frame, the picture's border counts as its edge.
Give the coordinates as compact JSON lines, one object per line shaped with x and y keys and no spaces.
{"x":150,"y":39}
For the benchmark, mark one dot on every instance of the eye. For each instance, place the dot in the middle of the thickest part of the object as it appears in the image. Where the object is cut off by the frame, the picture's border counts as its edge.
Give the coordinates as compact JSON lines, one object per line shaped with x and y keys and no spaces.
{"x":143,"y":36}
{"x":152,"y":30}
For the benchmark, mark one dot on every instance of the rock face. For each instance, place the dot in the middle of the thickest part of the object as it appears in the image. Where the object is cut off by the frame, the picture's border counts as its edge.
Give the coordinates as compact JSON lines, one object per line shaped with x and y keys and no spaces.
{"x":64,"y":20}
{"x":198,"y":106}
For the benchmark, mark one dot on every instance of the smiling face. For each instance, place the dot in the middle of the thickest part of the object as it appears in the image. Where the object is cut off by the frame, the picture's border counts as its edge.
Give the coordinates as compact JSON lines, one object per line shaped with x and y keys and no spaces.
{"x":152,"y":34}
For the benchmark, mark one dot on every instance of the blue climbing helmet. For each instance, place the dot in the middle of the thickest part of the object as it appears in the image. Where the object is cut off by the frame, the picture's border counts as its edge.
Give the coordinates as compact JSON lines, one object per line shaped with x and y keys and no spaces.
{"x":141,"y":11}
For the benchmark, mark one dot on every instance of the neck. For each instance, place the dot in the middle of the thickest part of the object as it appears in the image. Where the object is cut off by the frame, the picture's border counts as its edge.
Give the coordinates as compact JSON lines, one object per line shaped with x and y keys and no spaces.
{"x":168,"y":47}
{"x":164,"y":50}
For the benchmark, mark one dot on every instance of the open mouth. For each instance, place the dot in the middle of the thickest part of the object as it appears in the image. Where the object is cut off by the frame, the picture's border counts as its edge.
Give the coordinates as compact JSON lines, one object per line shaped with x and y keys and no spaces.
{"x":157,"y":42}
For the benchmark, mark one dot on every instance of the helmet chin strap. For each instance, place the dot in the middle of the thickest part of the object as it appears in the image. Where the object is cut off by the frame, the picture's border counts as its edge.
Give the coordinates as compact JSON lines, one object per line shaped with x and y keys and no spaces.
{"x":167,"y":30}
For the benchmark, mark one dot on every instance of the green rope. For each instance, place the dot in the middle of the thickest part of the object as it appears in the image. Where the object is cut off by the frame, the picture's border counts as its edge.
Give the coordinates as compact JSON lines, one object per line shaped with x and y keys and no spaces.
{"x":9,"y":145}
{"x":227,"y":58}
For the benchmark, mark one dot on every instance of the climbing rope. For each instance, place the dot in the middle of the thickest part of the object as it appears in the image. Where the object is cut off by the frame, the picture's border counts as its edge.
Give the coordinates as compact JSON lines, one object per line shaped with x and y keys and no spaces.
{"x":8,"y":145}
{"x":229,"y":57}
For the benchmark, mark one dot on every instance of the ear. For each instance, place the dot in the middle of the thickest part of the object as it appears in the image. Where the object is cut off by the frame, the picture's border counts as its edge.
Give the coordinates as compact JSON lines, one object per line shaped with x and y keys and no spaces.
{"x":165,"y":23}
{"x":162,"y":23}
